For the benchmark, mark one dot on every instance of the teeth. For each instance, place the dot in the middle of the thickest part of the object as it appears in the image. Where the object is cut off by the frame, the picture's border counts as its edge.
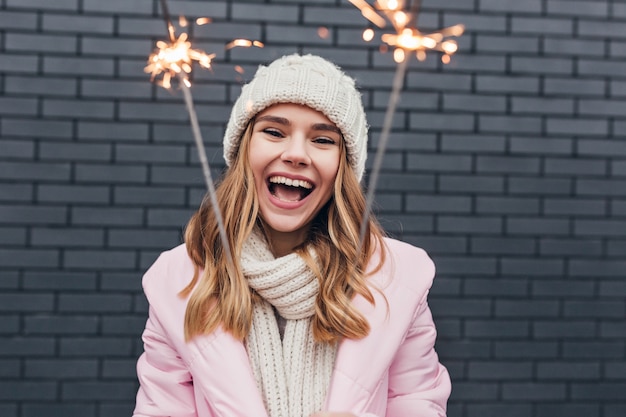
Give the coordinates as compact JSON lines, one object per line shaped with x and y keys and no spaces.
{"x":292,"y":183}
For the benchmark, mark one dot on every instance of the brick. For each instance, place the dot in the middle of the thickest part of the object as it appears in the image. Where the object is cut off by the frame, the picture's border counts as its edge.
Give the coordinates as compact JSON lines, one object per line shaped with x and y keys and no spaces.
{"x":18,"y":106}
{"x":472,"y":143}
{"x":616,"y":248}
{"x":573,"y":47}
{"x":506,"y":43}
{"x":525,"y":349}
{"x":107,"y":391}
{"x":16,"y":192}
{"x":507,"y":164}
{"x":432,"y":81}
{"x":46,"y":324}
{"x":537,"y":391}
{"x":267,"y":13}
{"x":38,"y":128}
{"x":573,"y":87}
{"x":598,"y":391}
{"x":112,"y":173}
{"x":476,"y":62}
{"x":93,"y":347}
{"x":599,"y":68}
{"x":607,"y":187}
{"x":169,"y":217}
{"x":540,"y":186}
{"x":65,"y":409}
{"x":495,"y":410}
{"x":599,"y":227}
{"x":165,"y":196}
{"x":542,"y":65}
{"x":59,"y":280}
{"x":573,"y":409}
{"x":583,"y":207}
{"x":117,"y":7}
{"x":26,"y":86}
{"x":438,"y":203}
{"x":613,"y":330}
{"x":590,"y":309}
{"x":9,"y":325}
{"x":72,"y":194}
{"x":16,"y":149}
{"x":465,"y":349}
{"x":500,"y":370}
{"x":441,"y":122}
{"x":475,"y":391}
{"x":469,"y":224}
{"x":602,"y":147}
{"x":123,"y":325}
{"x":570,"y":246}
{"x":18,"y":20}
{"x":115,"y":89}
{"x":542,"y":105}
{"x":541,"y":25}
{"x":537,"y":226}
{"x":527,"y":308}
{"x":23,"y":257}
{"x":78,"y":109}
{"x":118,"y":409}
{"x":532,"y":267}
{"x":497,"y":329}
{"x":471,"y":184}
{"x":27,"y":390}
{"x":473,"y":102}
{"x":119,"y":368}
{"x":438,"y":162}
{"x":13,"y":235}
{"x":507,"y":205}
{"x":106,"y":216}
{"x":396,"y":223}
{"x":507,"y":84}
{"x":150,"y":153}
{"x":475,"y":23}
{"x":583,"y":9}
{"x":531,"y":6}
{"x":496,"y":287}
{"x":120,"y":281}
{"x":549,"y":329}
{"x":67,"y":237}
{"x":578,"y":166}
{"x":25,"y":302}
{"x":597,"y":268}
{"x":465,"y":308}
{"x":45,"y":43}
{"x":141,"y":238}
{"x":27,"y":346}
{"x":9,"y":368}
{"x":117,"y":130}
{"x":20,"y":64}
{"x":562,"y":288}
{"x":541,"y":146}
{"x":215,"y":9}
{"x":79,"y":24}
{"x":61,"y":368}
{"x":36,"y":4}
{"x":99,"y":259}
{"x":77,"y":66}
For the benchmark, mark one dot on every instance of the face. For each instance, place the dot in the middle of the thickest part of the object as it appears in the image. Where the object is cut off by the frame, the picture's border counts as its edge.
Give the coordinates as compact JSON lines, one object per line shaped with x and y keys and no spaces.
{"x":294,"y":156}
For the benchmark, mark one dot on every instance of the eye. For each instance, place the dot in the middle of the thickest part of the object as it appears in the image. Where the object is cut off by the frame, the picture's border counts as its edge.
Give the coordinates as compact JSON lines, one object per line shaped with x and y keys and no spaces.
{"x":273,"y":132}
{"x":322,"y":140}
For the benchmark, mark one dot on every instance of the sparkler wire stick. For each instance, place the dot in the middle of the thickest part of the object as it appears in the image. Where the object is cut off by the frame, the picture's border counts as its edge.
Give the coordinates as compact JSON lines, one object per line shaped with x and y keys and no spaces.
{"x":398,"y":82}
{"x":197,"y":135}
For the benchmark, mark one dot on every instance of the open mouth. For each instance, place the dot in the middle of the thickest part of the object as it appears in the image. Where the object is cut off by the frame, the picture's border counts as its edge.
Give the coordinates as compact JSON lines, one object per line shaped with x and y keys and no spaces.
{"x":289,"y":190}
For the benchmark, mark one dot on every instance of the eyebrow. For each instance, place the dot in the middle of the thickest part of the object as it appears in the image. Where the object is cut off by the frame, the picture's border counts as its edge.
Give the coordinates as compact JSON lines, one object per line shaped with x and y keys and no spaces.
{"x":283,"y":121}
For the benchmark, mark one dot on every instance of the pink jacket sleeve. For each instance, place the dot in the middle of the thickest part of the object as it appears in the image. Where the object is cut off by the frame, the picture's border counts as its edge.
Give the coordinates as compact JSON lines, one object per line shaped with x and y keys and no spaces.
{"x":166,"y":388}
{"x":418,"y":384}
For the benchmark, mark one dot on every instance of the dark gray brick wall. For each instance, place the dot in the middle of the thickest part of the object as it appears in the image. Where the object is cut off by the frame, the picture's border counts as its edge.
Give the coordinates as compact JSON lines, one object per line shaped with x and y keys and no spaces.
{"x":508,"y":166}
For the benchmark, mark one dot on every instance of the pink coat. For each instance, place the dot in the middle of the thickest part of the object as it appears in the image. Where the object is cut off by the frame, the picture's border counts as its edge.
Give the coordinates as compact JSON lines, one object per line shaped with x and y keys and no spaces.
{"x":393,"y":372}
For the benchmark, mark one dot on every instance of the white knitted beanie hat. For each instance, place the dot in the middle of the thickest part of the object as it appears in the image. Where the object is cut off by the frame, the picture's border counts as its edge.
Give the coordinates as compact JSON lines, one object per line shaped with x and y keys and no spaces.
{"x":309,"y":80}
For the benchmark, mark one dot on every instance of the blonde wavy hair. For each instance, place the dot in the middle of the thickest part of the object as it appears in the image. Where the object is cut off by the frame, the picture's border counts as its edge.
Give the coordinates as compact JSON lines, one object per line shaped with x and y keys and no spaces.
{"x":219,"y":293}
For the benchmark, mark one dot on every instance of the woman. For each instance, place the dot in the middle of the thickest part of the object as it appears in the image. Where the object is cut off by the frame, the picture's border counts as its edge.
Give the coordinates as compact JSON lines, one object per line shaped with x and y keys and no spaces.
{"x":303,"y":320}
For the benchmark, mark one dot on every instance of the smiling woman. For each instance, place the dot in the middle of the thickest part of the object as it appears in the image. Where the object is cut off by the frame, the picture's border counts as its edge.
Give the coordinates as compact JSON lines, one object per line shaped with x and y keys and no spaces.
{"x":305,"y":320}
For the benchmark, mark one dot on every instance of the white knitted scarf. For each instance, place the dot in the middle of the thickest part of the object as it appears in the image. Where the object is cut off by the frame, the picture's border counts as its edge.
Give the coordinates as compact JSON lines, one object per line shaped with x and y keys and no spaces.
{"x":293,"y":375}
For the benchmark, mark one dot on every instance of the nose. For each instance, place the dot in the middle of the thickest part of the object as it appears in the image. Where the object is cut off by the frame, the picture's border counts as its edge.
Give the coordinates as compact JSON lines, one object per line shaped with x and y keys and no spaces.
{"x":296,"y":152}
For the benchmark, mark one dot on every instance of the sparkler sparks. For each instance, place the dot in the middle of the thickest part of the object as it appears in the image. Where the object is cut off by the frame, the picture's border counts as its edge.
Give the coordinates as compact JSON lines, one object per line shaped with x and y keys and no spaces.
{"x":175,"y":59}
{"x":407,"y":37}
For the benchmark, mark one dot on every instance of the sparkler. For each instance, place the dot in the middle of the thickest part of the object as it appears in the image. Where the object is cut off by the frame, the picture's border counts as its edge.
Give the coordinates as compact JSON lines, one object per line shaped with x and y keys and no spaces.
{"x":406,"y":39}
{"x":174,"y":59}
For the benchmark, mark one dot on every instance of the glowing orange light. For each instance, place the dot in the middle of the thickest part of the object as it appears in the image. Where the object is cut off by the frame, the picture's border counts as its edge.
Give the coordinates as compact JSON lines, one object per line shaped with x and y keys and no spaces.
{"x":323,"y":32}
{"x":203,"y":21}
{"x":368,"y":34}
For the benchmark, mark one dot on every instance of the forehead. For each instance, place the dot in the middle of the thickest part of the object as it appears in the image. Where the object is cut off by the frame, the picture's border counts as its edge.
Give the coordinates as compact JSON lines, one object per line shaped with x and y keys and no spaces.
{"x":296,"y":112}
